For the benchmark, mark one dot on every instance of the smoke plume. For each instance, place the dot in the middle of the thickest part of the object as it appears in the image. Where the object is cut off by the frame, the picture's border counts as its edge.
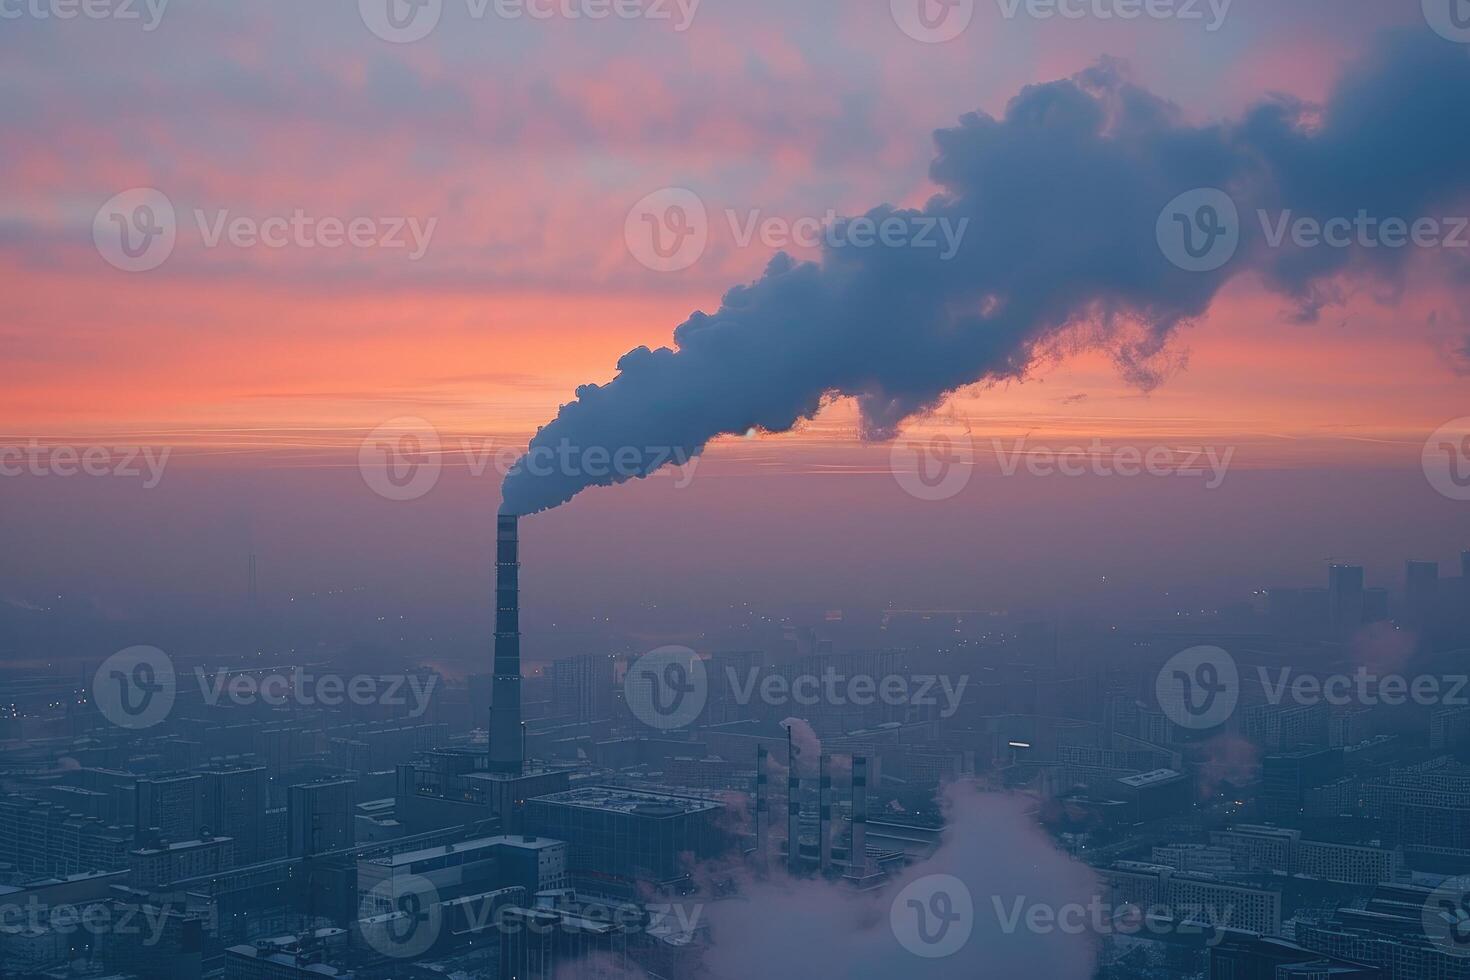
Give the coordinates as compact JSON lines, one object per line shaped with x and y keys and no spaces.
{"x":1059,"y":199}
{"x":782,"y":928}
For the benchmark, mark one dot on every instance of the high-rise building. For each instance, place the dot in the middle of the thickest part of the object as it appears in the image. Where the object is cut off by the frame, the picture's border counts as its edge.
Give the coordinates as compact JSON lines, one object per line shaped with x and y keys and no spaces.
{"x":1386,"y":934}
{"x":542,"y":943}
{"x":172,"y":805}
{"x":286,"y":958}
{"x":160,"y":862}
{"x":1345,"y":597}
{"x":582,"y":687}
{"x":1194,"y":898}
{"x":1375,"y":605}
{"x":235,"y":801}
{"x":171,"y":948}
{"x":622,"y":839}
{"x":1286,"y":777}
{"x":319,"y":816}
{"x":38,"y":838}
{"x":1423,"y":805}
{"x":1421,"y":585}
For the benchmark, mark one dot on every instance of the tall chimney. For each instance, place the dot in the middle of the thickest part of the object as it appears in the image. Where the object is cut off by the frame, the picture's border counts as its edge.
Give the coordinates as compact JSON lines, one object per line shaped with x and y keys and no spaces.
{"x":506,"y":750}
{"x":762,"y":807}
{"x":857,"y":861}
{"x":793,"y":808}
{"x":824,"y":816}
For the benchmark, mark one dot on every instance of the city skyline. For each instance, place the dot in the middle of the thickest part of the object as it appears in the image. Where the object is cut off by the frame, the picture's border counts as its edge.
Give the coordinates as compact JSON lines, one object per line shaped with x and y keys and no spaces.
{"x":686,"y":489}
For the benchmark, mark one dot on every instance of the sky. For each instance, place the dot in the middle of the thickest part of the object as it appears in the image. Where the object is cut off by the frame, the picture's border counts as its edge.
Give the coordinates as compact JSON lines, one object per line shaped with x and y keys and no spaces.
{"x":518,"y":147}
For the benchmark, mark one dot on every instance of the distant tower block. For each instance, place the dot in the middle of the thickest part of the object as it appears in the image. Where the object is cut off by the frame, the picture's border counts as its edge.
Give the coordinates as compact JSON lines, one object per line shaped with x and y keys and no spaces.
{"x":824,"y":815}
{"x":793,"y":808}
{"x":762,"y":808}
{"x":857,"y":861}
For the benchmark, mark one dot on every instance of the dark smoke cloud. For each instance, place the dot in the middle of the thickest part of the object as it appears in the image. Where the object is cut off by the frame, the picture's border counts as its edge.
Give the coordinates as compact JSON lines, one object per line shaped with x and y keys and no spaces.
{"x":1061,"y":197}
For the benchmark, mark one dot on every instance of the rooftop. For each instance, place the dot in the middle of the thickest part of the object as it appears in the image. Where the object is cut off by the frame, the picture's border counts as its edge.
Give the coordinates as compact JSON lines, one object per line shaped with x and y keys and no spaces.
{"x":1151,"y":778}
{"x":630,"y":801}
{"x":465,"y":847}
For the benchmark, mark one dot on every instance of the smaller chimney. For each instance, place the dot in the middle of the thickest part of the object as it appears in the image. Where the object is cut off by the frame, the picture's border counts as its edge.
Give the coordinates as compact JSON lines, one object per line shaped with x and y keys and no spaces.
{"x":793,"y":808}
{"x":824,"y":815}
{"x":857,"y":861}
{"x":762,"y":808}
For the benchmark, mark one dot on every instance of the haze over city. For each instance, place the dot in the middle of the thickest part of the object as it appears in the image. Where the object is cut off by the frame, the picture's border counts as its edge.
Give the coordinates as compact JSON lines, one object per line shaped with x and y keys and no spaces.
{"x":682,"y":488}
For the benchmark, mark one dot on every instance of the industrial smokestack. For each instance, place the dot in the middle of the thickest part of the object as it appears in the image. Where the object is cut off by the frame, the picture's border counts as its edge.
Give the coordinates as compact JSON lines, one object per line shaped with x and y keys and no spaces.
{"x":793,"y":807}
{"x":824,"y":815}
{"x":507,"y":752}
{"x":857,"y":861}
{"x":762,"y":807}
